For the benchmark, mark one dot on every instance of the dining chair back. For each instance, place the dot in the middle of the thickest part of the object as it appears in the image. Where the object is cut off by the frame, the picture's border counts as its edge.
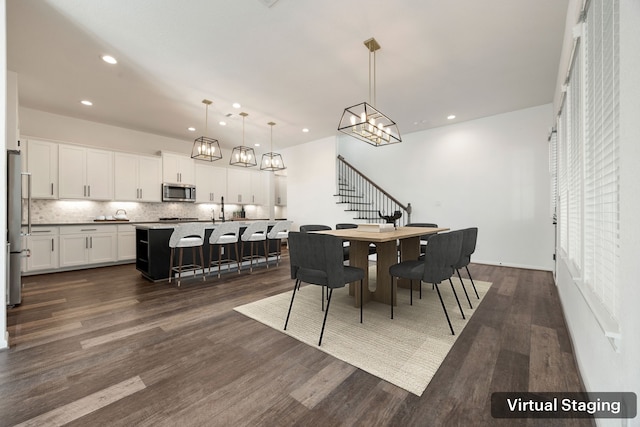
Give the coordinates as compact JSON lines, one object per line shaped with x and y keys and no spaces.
{"x":317,"y":259}
{"x":469,"y":239}
{"x":223,"y":235}
{"x":186,"y":235}
{"x":424,"y":240}
{"x":313,"y":227}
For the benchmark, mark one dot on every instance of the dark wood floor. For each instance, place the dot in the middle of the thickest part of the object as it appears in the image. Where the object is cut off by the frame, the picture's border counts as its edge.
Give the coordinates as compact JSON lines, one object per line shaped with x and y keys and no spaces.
{"x":106,"y":347}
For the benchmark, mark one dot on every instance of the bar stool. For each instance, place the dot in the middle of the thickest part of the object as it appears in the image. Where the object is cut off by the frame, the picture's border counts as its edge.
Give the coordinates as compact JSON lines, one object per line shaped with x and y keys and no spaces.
{"x":255,"y":232}
{"x":187,"y":235}
{"x":223,"y":235}
{"x":278,"y":232}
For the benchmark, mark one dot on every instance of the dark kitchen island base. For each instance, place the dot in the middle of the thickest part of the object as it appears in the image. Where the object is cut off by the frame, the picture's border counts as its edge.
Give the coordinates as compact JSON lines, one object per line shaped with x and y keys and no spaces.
{"x":153,"y":252}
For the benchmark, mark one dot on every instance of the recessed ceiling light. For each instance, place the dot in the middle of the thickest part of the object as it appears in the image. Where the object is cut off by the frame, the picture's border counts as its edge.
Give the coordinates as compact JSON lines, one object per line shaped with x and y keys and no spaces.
{"x":87,"y":103}
{"x":305,"y":130}
{"x":256,"y":144}
{"x":222,"y":123}
{"x":451,"y":117}
{"x":109,"y":59}
{"x":236,"y":105}
{"x":191,"y":129}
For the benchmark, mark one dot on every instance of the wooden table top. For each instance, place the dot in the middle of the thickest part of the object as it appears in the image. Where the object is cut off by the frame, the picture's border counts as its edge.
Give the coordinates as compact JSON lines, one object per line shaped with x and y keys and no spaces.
{"x":383,"y":236}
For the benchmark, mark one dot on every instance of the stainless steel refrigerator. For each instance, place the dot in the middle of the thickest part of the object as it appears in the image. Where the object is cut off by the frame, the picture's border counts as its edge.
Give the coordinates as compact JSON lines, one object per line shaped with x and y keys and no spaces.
{"x":15,"y":247}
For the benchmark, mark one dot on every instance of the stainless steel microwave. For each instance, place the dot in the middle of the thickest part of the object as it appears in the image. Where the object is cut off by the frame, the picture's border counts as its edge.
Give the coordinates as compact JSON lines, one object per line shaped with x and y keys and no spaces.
{"x":178,"y":193}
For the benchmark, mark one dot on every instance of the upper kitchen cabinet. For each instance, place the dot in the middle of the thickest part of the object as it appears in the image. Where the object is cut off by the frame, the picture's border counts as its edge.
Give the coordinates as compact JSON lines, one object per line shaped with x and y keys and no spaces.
{"x":280,"y":190}
{"x":85,"y":173}
{"x":259,"y":188}
{"x":42,"y":164}
{"x":239,"y":186}
{"x":178,"y":169}
{"x":211,"y":183}
{"x":137,"y":178}
{"x":12,"y":121}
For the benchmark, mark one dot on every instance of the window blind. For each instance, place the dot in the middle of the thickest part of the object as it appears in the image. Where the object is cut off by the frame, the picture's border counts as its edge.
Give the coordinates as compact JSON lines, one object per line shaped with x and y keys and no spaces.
{"x":601,"y":204}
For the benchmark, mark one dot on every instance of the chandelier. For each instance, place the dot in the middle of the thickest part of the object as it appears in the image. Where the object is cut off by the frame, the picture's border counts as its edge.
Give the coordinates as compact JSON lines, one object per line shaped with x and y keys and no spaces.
{"x":272,"y":161}
{"x":363,"y":121}
{"x":205,"y":148}
{"x":241,"y":155}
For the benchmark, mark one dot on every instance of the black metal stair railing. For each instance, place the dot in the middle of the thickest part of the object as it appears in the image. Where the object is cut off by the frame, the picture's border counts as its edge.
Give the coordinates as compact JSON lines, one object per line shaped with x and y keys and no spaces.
{"x":367,"y":200}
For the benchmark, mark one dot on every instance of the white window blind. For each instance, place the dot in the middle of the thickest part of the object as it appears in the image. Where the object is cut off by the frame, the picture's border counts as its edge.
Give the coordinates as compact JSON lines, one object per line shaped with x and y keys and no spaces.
{"x":563,"y":217}
{"x":553,"y":172}
{"x":601,"y":204}
{"x":575,"y":143}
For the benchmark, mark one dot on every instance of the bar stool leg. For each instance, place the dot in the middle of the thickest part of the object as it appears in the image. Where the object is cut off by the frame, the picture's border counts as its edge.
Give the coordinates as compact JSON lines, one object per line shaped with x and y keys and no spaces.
{"x":180,"y":254}
{"x":204,"y":277}
{"x":171,"y":263}
{"x":266,"y":253}
{"x":237,"y":259}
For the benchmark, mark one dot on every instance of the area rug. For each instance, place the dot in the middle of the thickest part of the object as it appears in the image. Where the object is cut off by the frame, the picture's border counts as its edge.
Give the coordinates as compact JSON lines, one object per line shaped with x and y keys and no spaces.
{"x":405,"y":351}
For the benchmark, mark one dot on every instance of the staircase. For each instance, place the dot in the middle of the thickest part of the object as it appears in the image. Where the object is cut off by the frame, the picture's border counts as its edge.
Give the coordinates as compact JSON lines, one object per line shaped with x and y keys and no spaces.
{"x":365,"y":198}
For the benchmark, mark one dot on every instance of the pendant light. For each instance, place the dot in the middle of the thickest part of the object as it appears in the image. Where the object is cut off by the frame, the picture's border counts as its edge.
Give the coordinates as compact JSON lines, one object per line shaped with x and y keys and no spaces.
{"x":205,"y":148}
{"x":272,"y":161}
{"x":241,"y":155}
{"x":363,"y":121}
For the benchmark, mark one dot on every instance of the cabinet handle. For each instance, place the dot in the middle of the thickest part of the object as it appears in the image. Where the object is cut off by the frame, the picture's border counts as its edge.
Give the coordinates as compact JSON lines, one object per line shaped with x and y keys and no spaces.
{"x":84,"y":191}
{"x":52,"y":188}
{"x":239,"y":198}
{"x":88,"y":229}
{"x":89,"y":190}
{"x":91,"y":242}
{"x":52,"y":248}
{"x":141,"y":193}
{"x":86,"y":243}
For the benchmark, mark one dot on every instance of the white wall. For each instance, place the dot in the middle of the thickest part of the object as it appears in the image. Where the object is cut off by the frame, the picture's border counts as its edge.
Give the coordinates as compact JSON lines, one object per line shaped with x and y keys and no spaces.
{"x":4,"y":337}
{"x":491,"y":173}
{"x":601,"y":366}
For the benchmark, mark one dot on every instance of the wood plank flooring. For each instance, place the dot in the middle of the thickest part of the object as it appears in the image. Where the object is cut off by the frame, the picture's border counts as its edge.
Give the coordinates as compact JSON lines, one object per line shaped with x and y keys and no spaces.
{"x":106,"y":347}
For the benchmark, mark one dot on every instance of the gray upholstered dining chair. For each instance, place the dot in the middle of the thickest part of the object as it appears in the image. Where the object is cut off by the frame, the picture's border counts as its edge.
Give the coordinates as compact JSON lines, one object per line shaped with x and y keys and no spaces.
{"x":255,"y":232}
{"x":423,"y":239}
{"x":317,"y":259}
{"x":442,"y":252}
{"x":469,"y":239}
{"x":186,"y":235}
{"x":278,"y":232}
{"x":223,"y":235}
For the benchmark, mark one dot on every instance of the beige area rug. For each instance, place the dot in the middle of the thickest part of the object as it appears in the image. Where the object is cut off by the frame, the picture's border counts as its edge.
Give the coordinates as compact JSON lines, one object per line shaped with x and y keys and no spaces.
{"x":405,"y":351}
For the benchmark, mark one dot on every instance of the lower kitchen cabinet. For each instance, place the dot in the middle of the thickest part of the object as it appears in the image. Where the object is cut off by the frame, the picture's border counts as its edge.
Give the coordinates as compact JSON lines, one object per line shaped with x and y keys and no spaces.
{"x":81,"y":245}
{"x":126,"y":242}
{"x":43,"y":249}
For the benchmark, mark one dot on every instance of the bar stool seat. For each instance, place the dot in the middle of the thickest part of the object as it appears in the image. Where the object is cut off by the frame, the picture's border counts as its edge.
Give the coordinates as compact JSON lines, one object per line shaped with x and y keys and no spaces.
{"x":255,"y":232}
{"x":187,"y":235}
{"x":279,"y":232}
{"x":222,"y":235}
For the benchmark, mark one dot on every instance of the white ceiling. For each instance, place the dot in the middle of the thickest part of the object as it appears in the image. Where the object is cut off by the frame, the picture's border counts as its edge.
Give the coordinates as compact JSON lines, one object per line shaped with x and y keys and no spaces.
{"x":298,"y":63}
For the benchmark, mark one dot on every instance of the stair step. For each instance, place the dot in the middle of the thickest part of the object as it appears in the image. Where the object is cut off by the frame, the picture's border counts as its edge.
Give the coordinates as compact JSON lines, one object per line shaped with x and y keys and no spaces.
{"x":353,"y":203}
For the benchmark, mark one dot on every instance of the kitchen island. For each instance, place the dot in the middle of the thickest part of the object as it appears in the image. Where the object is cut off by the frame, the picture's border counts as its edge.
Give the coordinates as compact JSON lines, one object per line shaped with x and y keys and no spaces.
{"x":153,"y":252}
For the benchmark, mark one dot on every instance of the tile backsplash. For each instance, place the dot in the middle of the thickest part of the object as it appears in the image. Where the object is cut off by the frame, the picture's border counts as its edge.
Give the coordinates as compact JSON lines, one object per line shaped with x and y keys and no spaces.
{"x":74,"y":211}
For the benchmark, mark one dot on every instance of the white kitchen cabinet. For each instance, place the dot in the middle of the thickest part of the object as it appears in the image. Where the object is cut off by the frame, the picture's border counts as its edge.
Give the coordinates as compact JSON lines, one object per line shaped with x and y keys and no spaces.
{"x":12,"y":117}
{"x":126,"y":242}
{"x":43,"y":249}
{"x":259,"y":185}
{"x":82,"y":245}
{"x":137,"y":178}
{"x":178,"y":169}
{"x":42,"y":163}
{"x":280,"y":190}
{"x":239,"y":186}
{"x":85,"y":173}
{"x":211,"y":183}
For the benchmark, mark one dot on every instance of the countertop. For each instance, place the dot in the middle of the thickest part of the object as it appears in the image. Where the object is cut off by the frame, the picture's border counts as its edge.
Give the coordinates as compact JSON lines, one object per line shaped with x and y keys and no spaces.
{"x":151,"y":224}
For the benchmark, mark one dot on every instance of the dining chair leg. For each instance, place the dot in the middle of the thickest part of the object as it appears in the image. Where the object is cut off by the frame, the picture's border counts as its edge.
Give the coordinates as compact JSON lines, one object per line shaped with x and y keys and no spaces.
{"x":464,"y":289}
{"x":457,"y":300}
{"x":293,"y":295}
{"x":472,"y":284}
{"x":391,"y":297}
{"x":330,"y":291}
{"x":361,"y":300}
{"x":411,"y":292}
{"x":322,"y":299}
{"x":444,"y":308}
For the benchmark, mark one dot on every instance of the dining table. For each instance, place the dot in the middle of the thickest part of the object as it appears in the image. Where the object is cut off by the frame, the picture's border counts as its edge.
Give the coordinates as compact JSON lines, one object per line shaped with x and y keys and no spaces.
{"x":386,"y":243}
